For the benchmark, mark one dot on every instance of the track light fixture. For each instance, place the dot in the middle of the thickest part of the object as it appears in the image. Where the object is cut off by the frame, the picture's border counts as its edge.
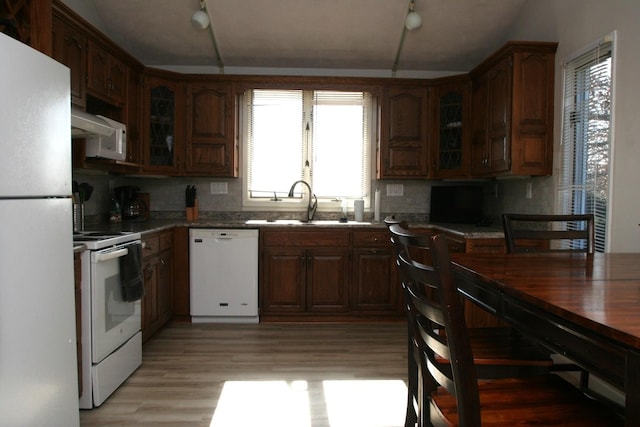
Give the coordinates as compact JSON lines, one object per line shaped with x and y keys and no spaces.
{"x":200,"y":19}
{"x":413,"y":19}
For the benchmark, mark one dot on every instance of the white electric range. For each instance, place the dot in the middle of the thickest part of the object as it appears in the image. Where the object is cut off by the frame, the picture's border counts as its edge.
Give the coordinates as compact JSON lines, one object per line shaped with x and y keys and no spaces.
{"x":111,"y":326}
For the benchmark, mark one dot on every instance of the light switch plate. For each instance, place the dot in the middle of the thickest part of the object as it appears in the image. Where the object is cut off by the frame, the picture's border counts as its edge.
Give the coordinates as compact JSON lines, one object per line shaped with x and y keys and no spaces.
{"x":218,"y":188}
{"x":395,"y":190}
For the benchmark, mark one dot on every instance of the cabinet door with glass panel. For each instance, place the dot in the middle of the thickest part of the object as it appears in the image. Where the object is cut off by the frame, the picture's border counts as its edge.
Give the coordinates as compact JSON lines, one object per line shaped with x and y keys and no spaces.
{"x":163,"y":135}
{"x":450,"y":143}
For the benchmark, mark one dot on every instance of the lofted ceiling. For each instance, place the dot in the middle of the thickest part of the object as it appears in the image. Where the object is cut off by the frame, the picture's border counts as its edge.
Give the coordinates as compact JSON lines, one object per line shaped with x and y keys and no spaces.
{"x":310,"y":34}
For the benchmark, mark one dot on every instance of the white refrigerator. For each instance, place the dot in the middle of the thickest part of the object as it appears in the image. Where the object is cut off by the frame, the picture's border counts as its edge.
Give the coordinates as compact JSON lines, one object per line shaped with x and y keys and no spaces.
{"x":38,"y":374}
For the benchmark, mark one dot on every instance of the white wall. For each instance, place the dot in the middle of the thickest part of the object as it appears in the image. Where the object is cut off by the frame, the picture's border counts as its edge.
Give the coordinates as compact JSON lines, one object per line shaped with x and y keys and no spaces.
{"x":86,"y":10}
{"x":576,"y":24}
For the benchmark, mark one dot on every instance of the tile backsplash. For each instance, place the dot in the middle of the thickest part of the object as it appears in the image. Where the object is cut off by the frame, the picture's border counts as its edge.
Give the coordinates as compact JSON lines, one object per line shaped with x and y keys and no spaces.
{"x":167,"y":197}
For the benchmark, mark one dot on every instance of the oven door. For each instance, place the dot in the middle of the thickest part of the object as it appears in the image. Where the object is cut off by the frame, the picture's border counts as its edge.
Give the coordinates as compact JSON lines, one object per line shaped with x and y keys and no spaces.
{"x":113,"y":320}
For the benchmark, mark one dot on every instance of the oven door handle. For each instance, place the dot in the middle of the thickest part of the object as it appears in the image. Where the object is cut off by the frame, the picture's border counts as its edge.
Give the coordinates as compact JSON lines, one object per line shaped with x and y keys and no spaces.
{"x":111,"y":255}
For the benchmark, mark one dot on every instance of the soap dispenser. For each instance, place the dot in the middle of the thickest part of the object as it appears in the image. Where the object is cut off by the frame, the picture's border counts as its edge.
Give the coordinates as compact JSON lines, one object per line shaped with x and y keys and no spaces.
{"x":343,"y":205}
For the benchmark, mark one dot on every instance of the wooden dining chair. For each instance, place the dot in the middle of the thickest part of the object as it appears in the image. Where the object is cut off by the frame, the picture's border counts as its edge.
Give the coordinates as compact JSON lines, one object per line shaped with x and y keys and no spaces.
{"x":548,"y":233}
{"x":551,"y":233}
{"x":451,"y":393}
{"x":499,"y":351}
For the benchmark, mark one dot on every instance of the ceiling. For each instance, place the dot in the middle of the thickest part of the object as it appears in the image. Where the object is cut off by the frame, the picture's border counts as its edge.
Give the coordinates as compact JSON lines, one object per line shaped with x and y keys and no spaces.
{"x":311,"y":34}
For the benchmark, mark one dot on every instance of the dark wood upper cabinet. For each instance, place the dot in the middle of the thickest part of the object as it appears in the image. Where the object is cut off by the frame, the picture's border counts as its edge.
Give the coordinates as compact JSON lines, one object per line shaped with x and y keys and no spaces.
{"x":210,"y":144}
{"x":163,"y":125}
{"x":107,"y":75}
{"x":28,"y":21}
{"x":479,"y":148}
{"x":403,"y":148}
{"x":450,"y":151}
{"x":512,"y":126}
{"x":70,"y":48}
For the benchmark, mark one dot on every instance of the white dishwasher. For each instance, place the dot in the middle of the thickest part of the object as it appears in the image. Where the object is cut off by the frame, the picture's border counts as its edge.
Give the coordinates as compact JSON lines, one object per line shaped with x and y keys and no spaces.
{"x":223,"y":267}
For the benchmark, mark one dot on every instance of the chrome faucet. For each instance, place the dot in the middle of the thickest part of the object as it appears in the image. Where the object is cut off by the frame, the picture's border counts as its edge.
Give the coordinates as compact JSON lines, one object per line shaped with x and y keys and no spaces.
{"x":313,"y":200}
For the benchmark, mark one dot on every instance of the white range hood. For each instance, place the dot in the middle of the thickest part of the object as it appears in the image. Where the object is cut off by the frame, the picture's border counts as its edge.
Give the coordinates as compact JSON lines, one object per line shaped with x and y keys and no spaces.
{"x":84,"y":124}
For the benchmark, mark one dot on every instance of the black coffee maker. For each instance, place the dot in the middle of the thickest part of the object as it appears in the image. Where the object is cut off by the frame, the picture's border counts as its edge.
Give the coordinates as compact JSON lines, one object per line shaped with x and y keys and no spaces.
{"x":127,"y":197}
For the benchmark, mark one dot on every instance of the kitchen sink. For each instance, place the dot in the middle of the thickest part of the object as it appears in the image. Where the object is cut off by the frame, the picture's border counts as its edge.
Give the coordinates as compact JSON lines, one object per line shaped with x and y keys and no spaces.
{"x":300,"y":222}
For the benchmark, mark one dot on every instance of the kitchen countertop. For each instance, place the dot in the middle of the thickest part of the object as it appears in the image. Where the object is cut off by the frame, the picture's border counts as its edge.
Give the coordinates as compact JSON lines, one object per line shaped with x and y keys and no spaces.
{"x":467,"y":231}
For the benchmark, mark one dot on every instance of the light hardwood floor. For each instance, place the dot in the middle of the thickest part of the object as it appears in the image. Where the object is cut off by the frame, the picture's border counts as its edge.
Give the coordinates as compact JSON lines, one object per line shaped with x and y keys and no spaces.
{"x":284,"y":375}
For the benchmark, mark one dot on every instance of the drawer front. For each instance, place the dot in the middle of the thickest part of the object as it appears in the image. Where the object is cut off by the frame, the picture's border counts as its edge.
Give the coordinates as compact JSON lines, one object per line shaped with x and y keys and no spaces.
{"x":166,"y":240}
{"x":496,"y":246}
{"x":455,"y":245}
{"x":150,"y":245}
{"x":372,"y":238}
{"x":305,"y":238}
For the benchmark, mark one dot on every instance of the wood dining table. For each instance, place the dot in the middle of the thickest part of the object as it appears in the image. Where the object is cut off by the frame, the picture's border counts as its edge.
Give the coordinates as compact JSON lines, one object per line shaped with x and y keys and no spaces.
{"x":583,"y":306}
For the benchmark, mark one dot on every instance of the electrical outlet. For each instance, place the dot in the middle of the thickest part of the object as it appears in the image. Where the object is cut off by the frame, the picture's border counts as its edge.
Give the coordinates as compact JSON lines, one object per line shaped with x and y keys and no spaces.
{"x":529,"y":194}
{"x":218,"y":188}
{"x":395,"y":190}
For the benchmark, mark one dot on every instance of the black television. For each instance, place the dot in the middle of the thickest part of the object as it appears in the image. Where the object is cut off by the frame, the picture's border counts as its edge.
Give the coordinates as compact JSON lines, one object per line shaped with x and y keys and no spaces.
{"x":458,"y":204}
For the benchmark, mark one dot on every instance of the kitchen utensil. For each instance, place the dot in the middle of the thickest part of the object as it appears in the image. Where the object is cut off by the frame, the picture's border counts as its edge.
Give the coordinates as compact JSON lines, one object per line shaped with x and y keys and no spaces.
{"x":85,"y":190}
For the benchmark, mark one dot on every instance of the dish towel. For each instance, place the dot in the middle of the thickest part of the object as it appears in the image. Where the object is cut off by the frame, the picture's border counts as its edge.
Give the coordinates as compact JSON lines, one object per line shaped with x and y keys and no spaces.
{"x":131,"y":282}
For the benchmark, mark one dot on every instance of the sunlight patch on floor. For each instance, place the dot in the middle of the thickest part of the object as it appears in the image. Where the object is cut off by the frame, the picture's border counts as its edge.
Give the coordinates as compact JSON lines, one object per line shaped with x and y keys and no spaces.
{"x":263,"y":403}
{"x":379,"y":403}
{"x":362,"y":403}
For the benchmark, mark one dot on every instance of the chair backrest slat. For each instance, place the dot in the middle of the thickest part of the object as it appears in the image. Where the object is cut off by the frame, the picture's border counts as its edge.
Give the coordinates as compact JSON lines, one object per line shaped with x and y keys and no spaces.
{"x":520,"y":229}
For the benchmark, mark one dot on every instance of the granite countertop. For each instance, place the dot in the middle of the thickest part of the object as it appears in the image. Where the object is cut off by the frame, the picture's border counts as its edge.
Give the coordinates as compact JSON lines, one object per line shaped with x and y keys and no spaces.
{"x":468,"y":231}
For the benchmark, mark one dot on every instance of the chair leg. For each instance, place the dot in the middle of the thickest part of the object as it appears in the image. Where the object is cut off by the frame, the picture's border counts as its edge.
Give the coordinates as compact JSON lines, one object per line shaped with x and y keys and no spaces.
{"x":411,"y":416}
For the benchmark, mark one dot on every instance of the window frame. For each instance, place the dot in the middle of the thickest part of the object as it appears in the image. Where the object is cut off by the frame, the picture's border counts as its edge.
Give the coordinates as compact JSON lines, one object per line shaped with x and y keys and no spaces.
{"x":573,"y":192}
{"x":297,"y":203}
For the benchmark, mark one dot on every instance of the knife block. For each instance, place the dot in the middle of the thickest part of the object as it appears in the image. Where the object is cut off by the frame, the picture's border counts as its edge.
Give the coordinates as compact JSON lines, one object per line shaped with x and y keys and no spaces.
{"x":193,"y":212}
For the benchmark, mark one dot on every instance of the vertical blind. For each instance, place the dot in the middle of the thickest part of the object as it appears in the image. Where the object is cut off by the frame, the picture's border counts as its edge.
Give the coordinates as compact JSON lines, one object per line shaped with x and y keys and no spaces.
{"x":584,"y":179}
{"x":322,"y":137}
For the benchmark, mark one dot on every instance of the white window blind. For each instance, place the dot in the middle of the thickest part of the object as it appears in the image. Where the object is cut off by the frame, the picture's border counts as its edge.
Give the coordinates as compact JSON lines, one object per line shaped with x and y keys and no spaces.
{"x":584,"y":180}
{"x":322,"y":137}
{"x":274,"y":137}
{"x":340,"y":161}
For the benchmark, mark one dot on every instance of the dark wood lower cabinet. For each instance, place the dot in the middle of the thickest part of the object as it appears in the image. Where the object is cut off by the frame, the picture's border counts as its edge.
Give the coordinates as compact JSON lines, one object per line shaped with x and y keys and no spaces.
{"x":374,"y":285}
{"x":282,"y":283}
{"x":320,"y":275}
{"x":304,"y":273}
{"x":157,"y":268}
{"x":327,"y":280}
{"x":181,"y":301}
